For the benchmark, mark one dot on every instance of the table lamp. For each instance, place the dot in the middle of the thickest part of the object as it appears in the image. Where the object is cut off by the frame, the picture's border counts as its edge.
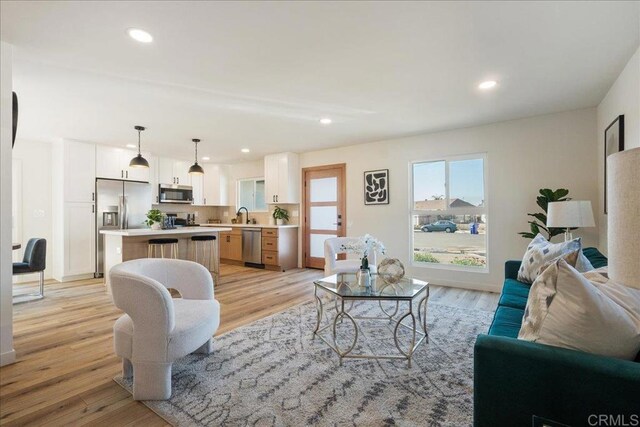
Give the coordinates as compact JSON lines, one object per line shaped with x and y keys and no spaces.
{"x":569,"y":214}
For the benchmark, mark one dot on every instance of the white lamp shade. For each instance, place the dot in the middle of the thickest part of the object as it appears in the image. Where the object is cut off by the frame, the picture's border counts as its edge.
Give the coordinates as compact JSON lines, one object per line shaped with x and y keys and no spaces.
{"x":623,"y":198}
{"x":571,"y":213}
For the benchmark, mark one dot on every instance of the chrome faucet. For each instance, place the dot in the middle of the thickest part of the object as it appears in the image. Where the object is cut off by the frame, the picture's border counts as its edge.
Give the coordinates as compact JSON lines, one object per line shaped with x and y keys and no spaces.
{"x":246,"y":210}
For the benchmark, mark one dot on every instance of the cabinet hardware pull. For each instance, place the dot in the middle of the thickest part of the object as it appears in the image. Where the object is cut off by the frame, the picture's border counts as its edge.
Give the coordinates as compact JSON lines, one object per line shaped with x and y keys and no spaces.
{"x":93,"y":208}
{"x":127,"y":174}
{"x":178,"y":178}
{"x":93,"y":197}
{"x":121,"y":174}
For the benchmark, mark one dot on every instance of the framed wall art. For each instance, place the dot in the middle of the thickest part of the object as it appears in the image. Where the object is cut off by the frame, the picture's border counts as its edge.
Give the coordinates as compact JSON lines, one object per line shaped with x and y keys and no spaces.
{"x":376,"y":187}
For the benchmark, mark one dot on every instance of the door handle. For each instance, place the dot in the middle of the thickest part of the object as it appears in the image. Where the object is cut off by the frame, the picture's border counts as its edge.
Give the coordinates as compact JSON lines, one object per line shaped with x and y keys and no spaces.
{"x":337,"y":223}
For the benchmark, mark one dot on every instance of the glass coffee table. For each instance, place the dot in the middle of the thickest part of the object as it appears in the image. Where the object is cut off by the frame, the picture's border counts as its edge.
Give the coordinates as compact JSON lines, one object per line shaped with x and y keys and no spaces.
{"x":405,"y":294}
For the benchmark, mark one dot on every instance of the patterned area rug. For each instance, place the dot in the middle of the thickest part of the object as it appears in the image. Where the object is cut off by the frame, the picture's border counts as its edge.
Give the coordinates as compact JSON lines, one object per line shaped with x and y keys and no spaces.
{"x":271,"y":373}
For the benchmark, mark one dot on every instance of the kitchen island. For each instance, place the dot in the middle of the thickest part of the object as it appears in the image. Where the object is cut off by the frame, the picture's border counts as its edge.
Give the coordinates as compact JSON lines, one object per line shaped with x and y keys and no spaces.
{"x":125,"y":245}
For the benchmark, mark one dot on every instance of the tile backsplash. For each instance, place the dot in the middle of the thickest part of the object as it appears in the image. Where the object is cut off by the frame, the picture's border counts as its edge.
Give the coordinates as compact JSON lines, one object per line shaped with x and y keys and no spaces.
{"x":204,"y":213}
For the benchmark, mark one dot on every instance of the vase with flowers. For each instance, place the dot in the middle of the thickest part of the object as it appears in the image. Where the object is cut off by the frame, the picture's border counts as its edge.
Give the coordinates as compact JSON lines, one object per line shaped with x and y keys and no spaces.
{"x":364,"y":246}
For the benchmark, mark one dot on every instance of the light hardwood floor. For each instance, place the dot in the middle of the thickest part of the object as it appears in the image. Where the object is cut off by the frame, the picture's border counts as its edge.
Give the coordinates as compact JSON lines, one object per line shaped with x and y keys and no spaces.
{"x":64,"y":344}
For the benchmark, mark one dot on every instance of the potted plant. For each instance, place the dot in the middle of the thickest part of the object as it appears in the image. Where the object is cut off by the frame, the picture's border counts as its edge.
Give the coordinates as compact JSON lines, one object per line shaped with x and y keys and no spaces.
{"x":154,"y":219}
{"x":364,"y":246}
{"x":280,"y":215}
{"x":539,"y":224}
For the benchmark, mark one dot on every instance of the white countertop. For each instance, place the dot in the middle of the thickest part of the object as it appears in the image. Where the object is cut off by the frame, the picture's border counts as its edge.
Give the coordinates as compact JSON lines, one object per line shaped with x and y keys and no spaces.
{"x":251,"y":225}
{"x":133,"y":232}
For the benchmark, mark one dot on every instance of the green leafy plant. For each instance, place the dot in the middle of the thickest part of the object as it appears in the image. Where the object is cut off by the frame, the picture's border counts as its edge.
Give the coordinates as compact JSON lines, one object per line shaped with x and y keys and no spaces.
{"x":154,"y":216}
{"x":425,"y":257}
{"x":539,"y":223}
{"x":279,"y":213}
{"x":470,"y":261}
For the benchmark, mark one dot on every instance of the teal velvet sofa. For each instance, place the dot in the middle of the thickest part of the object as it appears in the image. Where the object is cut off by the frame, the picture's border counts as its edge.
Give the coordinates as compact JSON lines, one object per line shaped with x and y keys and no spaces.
{"x":520,"y":383}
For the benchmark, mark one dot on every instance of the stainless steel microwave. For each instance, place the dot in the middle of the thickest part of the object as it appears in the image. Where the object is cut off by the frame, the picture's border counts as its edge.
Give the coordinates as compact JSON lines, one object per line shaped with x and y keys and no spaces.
{"x":171,"y":193}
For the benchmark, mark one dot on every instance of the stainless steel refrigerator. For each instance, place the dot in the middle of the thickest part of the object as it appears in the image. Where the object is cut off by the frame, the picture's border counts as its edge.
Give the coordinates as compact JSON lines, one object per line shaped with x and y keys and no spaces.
{"x":119,"y":205}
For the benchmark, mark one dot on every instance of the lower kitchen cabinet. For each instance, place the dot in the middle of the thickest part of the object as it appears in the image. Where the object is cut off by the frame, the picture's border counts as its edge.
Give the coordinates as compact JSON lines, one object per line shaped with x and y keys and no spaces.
{"x":231,"y":245}
{"x":280,"y":248}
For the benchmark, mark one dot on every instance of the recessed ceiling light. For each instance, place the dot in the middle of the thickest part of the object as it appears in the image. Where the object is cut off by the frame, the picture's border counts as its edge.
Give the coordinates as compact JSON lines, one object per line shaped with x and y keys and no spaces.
{"x":489,"y":84}
{"x":140,"y":35}
{"x":245,"y":150}
{"x":205,"y":158}
{"x":131,"y":145}
{"x":326,"y":121}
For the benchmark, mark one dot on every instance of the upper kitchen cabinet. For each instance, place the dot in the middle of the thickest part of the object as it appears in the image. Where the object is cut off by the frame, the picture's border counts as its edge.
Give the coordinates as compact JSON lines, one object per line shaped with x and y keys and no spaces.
{"x":113,"y":163}
{"x":171,"y":171}
{"x":282,"y":178}
{"x":78,"y":160}
{"x":211,"y":188}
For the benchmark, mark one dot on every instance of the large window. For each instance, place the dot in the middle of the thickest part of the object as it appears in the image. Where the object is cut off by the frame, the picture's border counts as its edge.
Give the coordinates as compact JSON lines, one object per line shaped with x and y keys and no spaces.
{"x":251,"y":195}
{"x":449,"y":213}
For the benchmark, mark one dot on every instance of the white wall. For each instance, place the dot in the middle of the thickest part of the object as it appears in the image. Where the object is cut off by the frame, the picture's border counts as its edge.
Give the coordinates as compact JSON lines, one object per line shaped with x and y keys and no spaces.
{"x":622,"y":98}
{"x":7,"y":353}
{"x":523,"y":156}
{"x":35,"y":205}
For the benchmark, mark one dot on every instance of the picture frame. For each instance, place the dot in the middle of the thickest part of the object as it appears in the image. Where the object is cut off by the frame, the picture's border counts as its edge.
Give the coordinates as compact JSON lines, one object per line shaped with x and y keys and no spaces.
{"x":376,"y":187}
{"x":613,"y":143}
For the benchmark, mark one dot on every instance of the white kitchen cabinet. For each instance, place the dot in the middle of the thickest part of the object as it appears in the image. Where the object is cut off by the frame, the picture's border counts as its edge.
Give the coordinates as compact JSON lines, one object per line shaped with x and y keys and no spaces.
{"x":79,"y":246}
{"x":73,"y":192}
{"x":153,"y":178}
{"x":197,"y":182}
{"x":80,"y":178}
{"x":216,"y":187}
{"x":282,"y":178}
{"x":172,"y":171}
{"x":113,"y":163}
{"x":181,"y":172}
{"x":211,"y":189}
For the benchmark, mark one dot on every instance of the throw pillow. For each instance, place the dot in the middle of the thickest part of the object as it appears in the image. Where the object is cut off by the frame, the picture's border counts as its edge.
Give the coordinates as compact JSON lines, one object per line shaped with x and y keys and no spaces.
{"x":541,"y":252}
{"x":565,"y":309}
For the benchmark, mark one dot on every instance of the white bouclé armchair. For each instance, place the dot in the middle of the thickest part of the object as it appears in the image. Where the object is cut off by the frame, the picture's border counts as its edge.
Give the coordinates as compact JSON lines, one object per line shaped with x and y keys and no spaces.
{"x":158,"y":329}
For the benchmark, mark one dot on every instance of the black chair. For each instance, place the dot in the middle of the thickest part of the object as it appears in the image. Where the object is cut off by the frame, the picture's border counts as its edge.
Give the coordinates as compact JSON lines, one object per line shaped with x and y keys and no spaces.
{"x":34,"y":261}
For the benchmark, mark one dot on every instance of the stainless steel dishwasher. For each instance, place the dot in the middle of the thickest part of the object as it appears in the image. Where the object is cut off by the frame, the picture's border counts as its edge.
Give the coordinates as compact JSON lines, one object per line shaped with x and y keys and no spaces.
{"x":252,"y":245}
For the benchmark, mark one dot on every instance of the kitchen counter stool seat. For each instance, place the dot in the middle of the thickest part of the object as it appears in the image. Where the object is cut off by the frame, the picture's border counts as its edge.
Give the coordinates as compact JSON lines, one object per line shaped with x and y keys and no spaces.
{"x":201,"y":243}
{"x":155,"y":244}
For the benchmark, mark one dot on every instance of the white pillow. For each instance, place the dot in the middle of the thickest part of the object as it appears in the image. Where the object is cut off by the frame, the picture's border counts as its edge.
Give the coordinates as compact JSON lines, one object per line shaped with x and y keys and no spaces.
{"x":565,"y":309}
{"x":541,"y":252}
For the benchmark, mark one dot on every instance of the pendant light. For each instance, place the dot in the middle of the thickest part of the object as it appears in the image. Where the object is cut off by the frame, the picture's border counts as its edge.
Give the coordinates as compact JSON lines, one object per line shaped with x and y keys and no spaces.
{"x":139,"y":161}
{"x":196,"y":169}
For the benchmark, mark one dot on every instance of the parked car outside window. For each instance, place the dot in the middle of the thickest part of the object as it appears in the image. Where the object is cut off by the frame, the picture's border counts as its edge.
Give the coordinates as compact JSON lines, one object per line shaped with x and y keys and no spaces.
{"x":446,"y":226}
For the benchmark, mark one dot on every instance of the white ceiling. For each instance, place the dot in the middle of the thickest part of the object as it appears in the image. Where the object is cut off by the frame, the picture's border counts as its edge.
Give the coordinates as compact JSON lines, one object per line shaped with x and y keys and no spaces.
{"x":260,"y":74}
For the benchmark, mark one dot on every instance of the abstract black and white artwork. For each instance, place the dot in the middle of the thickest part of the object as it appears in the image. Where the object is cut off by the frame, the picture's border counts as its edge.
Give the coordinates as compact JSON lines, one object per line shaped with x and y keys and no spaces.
{"x":376,"y":187}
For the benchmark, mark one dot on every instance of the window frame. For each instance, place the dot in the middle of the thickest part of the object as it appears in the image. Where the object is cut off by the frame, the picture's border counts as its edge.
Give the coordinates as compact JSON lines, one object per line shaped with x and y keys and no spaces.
{"x":255,"y":181}
{"x":450,"y":211}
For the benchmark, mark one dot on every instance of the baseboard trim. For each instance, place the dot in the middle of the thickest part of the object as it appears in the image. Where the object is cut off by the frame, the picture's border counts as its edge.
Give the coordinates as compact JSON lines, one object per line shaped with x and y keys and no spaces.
{"x":7,"y":358}
{"x":63,"y":279}
{"x":496,"y":289}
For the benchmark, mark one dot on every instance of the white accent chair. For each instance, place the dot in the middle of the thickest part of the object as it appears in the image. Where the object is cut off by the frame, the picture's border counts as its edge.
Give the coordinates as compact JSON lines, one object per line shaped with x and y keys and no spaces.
{"x":157,"y":329}
{"x":332,"y":248}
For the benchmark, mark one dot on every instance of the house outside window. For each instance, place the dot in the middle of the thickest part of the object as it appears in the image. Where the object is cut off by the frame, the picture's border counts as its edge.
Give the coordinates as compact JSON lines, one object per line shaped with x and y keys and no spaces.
{"x":449,"y":213}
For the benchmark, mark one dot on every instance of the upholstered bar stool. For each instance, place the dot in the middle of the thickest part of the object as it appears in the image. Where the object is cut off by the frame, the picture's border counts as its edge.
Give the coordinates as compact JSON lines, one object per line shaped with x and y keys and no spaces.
{"x":155,"y":244}
{"x":201,"y":244}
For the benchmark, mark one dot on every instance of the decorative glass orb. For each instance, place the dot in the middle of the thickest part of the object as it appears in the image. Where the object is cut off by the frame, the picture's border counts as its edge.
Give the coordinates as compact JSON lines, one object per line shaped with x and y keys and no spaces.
{"x":391,"y":270}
